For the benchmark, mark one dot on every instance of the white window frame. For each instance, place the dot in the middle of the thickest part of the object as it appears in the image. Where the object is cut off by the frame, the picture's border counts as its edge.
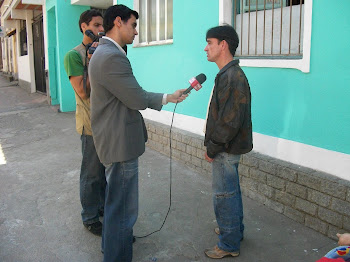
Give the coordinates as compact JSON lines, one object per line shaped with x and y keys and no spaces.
{"x":303,"y":64}
{"x":151,"y":43}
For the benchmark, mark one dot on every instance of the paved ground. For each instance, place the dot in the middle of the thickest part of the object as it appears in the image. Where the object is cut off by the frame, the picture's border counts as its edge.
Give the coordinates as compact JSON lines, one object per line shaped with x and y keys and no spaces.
{"x":40,"y":208}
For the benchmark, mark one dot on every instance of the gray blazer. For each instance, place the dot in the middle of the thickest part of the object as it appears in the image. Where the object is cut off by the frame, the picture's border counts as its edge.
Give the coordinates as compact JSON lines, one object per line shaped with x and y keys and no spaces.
{"x":118,"y":128}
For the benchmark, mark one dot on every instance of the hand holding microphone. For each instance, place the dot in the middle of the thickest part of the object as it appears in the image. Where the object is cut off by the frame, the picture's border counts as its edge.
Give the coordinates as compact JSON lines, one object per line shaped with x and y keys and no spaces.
{"x":181,"y":94}
{"x":196,"y":83}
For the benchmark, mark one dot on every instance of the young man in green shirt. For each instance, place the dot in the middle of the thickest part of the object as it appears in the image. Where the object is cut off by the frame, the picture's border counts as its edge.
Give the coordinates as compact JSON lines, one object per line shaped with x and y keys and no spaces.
{"x":92,"y":173}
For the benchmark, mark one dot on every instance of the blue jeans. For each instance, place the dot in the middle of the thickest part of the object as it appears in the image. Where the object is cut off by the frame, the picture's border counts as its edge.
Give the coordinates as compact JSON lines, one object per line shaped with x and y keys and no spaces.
{"x":121,"y":210}
{"x":92,"y":182}
{"x":227,"y":199}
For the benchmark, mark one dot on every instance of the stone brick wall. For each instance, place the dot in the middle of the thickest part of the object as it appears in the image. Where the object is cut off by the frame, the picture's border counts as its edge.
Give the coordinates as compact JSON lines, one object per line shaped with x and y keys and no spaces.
{"x":317,"y":200}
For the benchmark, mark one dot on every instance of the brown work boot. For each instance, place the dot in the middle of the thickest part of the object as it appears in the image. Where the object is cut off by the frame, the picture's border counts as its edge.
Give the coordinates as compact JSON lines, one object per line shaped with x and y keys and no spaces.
{"x":216,"y":252}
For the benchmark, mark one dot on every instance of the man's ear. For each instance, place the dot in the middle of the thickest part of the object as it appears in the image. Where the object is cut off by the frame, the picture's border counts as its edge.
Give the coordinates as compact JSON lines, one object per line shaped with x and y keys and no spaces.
{"x":84,"y":26}
{"x":118,"y":21}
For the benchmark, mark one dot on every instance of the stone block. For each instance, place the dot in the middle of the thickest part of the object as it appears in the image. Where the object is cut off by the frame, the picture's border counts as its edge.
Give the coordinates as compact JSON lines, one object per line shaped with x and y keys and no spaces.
{"x":275,"y":182}
{"x":164,"y":140}
{"x":346,"y":223}
{"x":155,"y":137}
{"x":278,"y":207}
{"x":196,"y":161}
{"x":159,"y":131}
{"x":200,"y":153}
{"x":166,"y":133}
{"x":331,"y":217}
{"x":266,"y":190}
{"x":296,"y":190}
{"x":319,"y":198}
{"x":286,"y":173}
{"x":348,"y":195}
{"x":294,"y":214}
{"x":173,"y":143}
{"x":188,"y":149}
{"x":254,"y":195}
{"x":152,"y":128}
{"x":250,"y":161}
{"x":340,"y":206}
{"x":258,"y":175}
{"x":305,"y":206}
{"x":185,"y":157}
{"x":249,"y":183}
{"x":186,"y":139}
{"x":316,"y":224}
{"x":181,"y":146}
{"x":267,"y":167}
{"x":332,"y":232}
{"x":334,"y":189}
{"x":309,"y":180}
{"x":196,"y":142}
{"x":243,"y":170}
{"x":285,"y":198}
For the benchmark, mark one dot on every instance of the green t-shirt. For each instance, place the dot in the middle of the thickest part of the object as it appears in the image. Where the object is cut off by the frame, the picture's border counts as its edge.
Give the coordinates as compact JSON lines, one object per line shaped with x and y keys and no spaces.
{"x":73,"y":63}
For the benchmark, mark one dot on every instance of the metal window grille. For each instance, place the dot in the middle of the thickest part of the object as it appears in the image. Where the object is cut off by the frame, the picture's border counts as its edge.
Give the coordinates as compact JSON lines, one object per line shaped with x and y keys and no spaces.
{"x":23,"y":38}
{"x":156,"y":20}
{"x":269,"y":28}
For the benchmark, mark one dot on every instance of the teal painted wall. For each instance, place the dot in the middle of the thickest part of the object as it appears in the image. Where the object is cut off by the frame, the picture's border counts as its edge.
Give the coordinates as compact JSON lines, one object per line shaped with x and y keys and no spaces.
{"x":63,"y":35}
{"x":311,"y":108}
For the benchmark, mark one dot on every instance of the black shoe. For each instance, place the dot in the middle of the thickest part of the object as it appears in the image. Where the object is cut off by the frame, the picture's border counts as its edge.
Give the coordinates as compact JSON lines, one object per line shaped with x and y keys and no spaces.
{"x":95,"y":228}
{"x":101,"y":213}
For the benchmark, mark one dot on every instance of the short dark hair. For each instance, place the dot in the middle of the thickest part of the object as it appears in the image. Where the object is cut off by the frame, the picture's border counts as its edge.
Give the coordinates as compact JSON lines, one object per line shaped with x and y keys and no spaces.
{"x":114,"y":11}
{"x":87,"y":16}
{"x":227,"y":33}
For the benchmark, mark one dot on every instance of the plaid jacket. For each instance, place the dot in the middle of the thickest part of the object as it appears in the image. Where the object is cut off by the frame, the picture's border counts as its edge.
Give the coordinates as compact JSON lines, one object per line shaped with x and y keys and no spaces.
{"x":229,"y":124}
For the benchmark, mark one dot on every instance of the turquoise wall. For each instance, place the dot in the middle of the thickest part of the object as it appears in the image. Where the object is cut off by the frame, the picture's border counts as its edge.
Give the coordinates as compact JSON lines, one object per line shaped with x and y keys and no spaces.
{"x":63,"y":35}
{"x":311,"y":108}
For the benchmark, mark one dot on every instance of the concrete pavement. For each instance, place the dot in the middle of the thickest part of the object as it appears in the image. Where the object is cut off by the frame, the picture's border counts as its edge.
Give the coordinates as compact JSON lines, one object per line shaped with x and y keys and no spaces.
{"x":40,"y":209}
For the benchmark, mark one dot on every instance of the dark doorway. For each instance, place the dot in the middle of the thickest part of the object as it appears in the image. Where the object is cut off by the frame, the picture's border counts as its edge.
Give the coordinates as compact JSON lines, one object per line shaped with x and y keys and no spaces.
{"x":39,"y":56}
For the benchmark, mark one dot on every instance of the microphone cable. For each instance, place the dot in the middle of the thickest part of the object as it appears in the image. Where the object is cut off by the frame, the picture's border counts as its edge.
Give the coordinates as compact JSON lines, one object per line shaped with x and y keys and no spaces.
{"x":171,"y":178}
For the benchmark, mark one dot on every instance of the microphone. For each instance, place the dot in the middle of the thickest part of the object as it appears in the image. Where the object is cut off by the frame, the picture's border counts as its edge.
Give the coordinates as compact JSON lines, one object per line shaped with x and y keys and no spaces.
{"x":90,"y":34}
{"x":196,"y":83}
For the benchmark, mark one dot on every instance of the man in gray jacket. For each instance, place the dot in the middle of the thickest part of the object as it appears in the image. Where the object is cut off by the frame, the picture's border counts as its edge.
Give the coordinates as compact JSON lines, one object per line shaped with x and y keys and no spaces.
{"x":118,"y":128}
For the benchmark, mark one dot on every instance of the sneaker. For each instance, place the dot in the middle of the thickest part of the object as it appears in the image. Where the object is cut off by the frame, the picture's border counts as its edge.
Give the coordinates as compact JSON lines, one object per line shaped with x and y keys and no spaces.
{"x":95,"y":228}
{"x":216,"y":252}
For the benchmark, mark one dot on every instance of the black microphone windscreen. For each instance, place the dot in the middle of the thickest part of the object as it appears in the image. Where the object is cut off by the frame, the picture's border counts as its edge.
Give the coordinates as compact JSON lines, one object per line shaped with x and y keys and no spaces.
{"x":201,"y":78}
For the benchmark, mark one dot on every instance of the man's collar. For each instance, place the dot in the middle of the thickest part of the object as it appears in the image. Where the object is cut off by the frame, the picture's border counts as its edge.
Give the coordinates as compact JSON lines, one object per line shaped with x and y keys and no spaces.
{"x":114,"y":42}
{"x":232,"y":63}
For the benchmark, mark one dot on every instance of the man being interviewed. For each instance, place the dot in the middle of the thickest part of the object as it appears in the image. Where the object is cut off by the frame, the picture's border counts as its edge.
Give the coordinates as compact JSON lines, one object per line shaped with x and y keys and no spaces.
{"x":118,"y":128}
{"x":228,"y":135}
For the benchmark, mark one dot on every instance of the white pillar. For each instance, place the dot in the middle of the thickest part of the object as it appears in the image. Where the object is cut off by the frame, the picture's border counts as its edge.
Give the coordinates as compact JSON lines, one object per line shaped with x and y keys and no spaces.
{"x":29,"y":26}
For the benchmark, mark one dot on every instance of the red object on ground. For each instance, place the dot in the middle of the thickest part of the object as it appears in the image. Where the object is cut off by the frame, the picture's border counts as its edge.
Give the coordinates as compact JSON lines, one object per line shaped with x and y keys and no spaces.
{"x":324,"y":259}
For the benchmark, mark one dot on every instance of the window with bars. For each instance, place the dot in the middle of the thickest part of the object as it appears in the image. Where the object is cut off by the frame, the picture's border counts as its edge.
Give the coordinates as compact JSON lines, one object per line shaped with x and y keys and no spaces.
{"x":155,"y":21}
{"x":23,"y":38}
{"x":269,"y":28}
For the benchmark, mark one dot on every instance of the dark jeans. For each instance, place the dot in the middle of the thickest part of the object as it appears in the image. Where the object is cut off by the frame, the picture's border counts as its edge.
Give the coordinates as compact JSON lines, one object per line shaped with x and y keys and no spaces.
{"x":121,"y":210}
{"x":92,"y":182}
{"x":227,"y":199}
